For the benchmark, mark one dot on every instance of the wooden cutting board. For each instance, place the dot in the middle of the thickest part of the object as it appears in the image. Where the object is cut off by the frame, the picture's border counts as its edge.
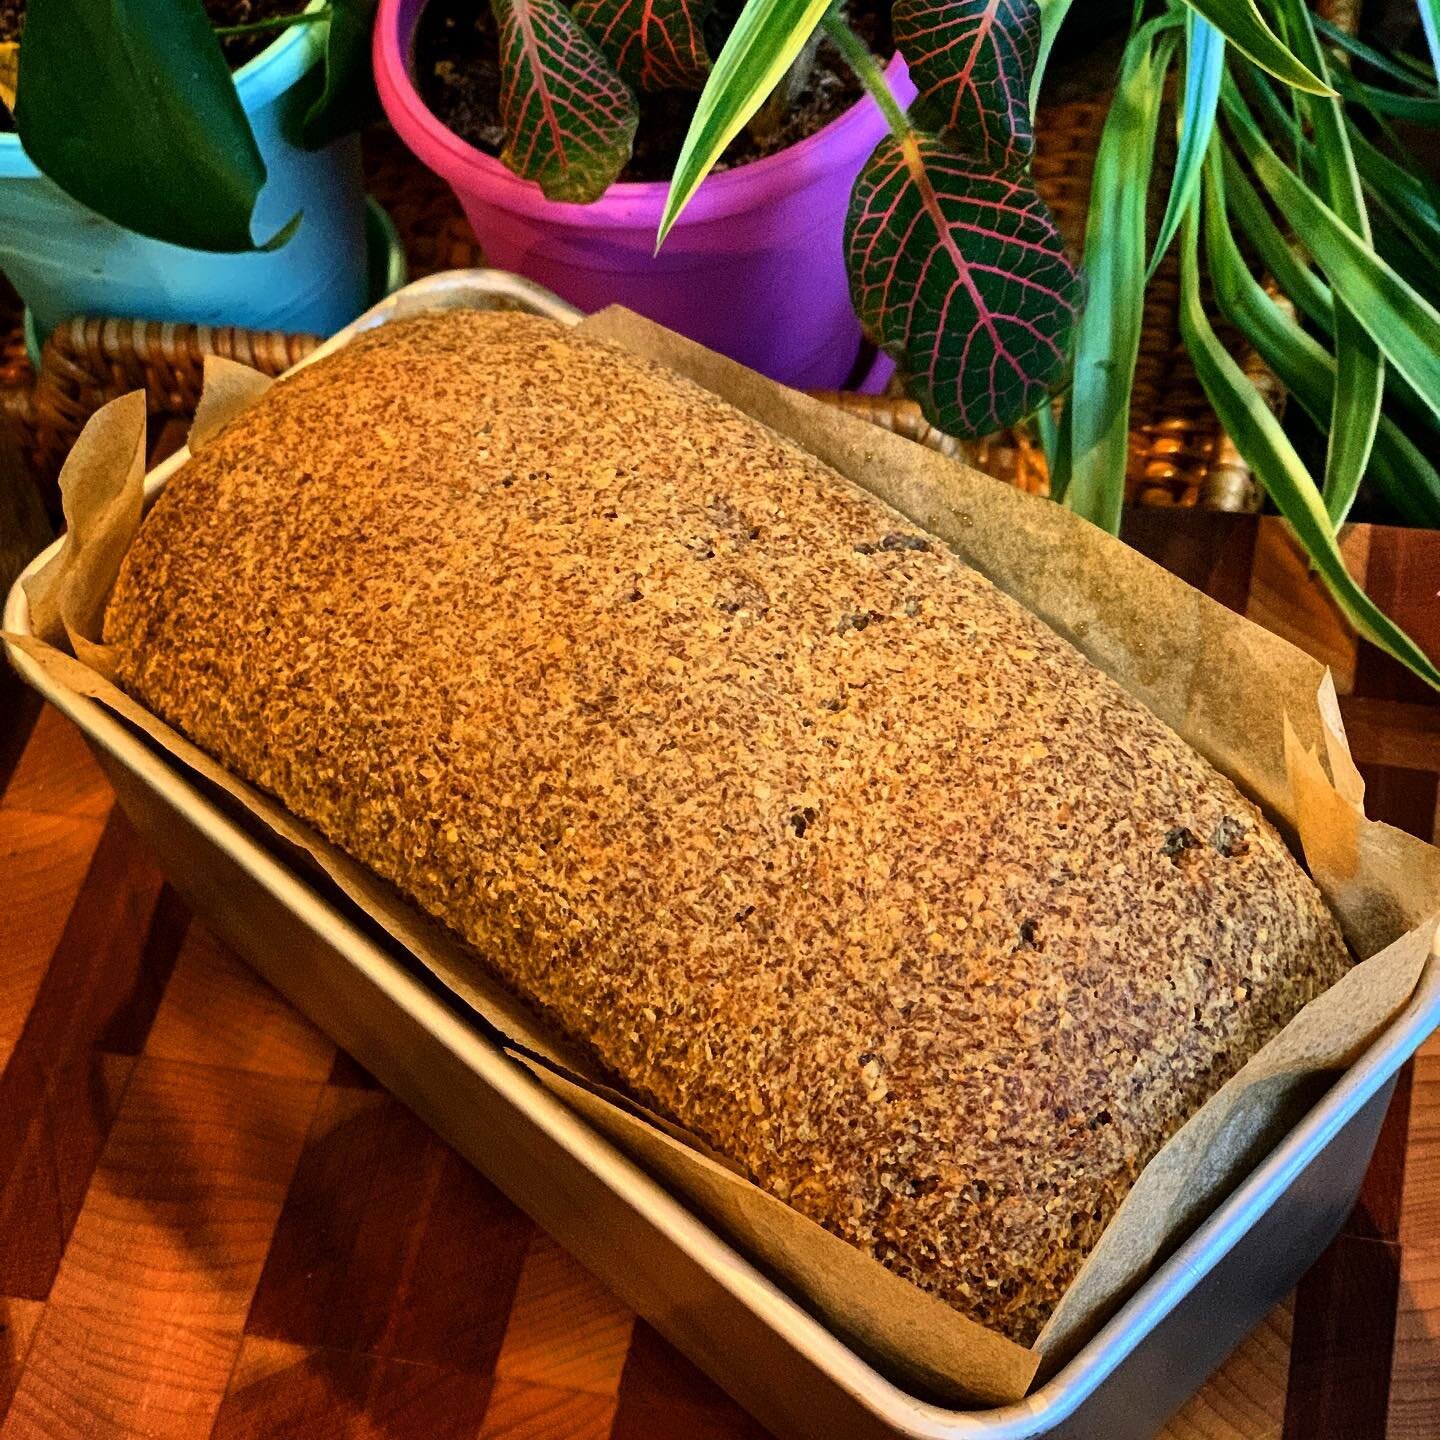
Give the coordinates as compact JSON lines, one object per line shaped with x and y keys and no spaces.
{"x":212,"y":1223}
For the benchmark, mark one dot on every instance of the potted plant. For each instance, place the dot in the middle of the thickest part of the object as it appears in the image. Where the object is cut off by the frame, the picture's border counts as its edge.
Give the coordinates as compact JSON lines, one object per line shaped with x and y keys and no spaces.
{"x":141,"y":177}
{"x":1282,"y":120}
{"x":564,"y":101}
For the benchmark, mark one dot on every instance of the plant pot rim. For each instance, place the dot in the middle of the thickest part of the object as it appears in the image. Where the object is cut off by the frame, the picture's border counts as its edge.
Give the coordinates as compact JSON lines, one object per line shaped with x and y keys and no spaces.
{"x":275,"y":69}
{"x":636,"y":202}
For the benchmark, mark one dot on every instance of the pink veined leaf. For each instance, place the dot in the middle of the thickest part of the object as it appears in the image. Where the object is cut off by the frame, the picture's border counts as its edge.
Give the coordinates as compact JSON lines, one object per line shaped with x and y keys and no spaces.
{"x":971,"y":61}
{"x":569,"y":118}
{"x":960,"y":275}
{"x":655,"y":44}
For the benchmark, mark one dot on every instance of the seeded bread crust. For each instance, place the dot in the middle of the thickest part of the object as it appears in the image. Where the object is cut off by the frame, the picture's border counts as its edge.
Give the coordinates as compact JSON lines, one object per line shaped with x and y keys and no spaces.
{"x":825,"y":847}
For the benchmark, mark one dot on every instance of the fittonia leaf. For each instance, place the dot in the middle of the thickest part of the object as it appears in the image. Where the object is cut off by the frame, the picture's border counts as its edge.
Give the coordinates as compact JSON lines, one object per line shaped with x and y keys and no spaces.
{"x":655,"y":44}
{"x":971,"y":61}
{"x":569,"y":118}
{"x":958,"y":272}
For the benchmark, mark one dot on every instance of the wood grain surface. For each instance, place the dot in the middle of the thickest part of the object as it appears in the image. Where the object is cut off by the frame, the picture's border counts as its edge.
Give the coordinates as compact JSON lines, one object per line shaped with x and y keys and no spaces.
{"x":213,"y":1223}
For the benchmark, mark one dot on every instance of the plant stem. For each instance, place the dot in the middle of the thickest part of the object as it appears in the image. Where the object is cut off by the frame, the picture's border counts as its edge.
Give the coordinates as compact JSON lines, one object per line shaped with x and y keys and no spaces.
{"x":275,"y":22}
{"x":867,"y":71}
{"x":1052,"y":17}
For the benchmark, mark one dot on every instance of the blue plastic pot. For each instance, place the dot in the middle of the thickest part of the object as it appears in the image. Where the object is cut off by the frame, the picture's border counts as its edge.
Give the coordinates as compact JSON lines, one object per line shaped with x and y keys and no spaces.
{"x":65,"y":260}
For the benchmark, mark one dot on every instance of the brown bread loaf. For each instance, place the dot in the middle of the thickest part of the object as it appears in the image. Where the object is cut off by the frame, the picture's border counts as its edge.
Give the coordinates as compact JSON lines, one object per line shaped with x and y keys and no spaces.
{"x":826,"y":848}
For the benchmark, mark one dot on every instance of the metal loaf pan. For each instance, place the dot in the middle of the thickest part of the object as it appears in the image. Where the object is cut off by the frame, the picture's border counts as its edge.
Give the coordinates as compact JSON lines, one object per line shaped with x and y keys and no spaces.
{"x":757,"y":1342}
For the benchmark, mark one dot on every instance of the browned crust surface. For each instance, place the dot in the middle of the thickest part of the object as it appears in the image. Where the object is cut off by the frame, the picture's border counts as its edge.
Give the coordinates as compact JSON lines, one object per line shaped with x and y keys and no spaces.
{"x":826,"y":847}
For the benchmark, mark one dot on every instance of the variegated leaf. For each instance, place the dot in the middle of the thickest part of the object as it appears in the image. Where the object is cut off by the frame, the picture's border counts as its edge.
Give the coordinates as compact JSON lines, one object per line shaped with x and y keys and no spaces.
{"x":655,"y":44}
{"x":971,"y":61}
{"x":960,"y":275}
{"x":569,"y":118}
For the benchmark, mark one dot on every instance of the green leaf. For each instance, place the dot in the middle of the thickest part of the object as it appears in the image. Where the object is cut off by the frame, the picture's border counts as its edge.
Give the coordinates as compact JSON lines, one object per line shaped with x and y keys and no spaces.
{"x":1107,"y":341}
{"x":1052,"y":17}
{"x":1204,"y":69}
{"x":569,"y":118}
{"x":1387,"y":64}
{"x":1303,"y":365}
{"x":1294,"y":276}
{"x":1418,"y":109}
{"x":1359,"y":373}
{"x":1407,"y":197}
{"x":348,"y":99}
{"x":1263,"y":443}
{"x":960,"y":275}
{"x":1401,"y":321}
{"x":971,"y":61}
{"x":767,"y":37}
{"x":654,"y":44}
{"x":129,"y":107}
{"x":1242,"y":24}
{"x":1430,"y":20}
{"x":1054,"y":436}
{"x":1297,"y":280}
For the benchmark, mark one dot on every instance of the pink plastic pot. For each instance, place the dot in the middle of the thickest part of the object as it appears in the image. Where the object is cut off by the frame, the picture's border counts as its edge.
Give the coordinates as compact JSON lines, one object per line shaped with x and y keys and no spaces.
{"x":754,"y":268}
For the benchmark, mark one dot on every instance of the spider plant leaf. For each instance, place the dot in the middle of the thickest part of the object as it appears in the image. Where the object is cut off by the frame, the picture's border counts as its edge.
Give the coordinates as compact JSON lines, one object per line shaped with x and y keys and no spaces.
{"x":1359,"y":388}
{"x":654,"y":44}
{"x":765,"y":41}
{"x":569,"y":118}
{"x":971,"y":61}
{"x":1401,"y":321}
{"x":961,"y":276}
{"x":1296,"y":279}
{"x":1418,"y":109}
{"x":1303,"y":365}
{"x":1409,"y":198}
{"x":1294,"y":276}
{"x":1242,"y":24}
{"x":1107,"y":340}
{"x":130,"y":108}
{"x":1204,"y":69}
{"x":1430,"y":22}
{"x":1267,"y":450}
{"x":1054,"y":436}
{"x":1397,"y":67}
{"x":1052,"y":17}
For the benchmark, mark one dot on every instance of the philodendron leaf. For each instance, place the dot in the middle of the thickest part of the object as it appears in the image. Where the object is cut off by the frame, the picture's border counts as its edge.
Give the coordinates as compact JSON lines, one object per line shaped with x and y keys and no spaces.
{"x":960,"y":275}
{"x":655,"y":44}
{"x":971,"y":61}
{"x":348,"y":99}
{"x":128,"y":106}
{"x":569,"y":118}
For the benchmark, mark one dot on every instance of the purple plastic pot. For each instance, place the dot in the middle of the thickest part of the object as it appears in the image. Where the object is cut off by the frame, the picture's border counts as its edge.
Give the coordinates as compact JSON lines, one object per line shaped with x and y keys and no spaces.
{"x":754,"y":268}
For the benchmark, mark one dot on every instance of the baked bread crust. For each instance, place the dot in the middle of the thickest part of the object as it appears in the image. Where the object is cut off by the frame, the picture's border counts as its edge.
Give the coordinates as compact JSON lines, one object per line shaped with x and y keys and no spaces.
{"x":827,"y":848}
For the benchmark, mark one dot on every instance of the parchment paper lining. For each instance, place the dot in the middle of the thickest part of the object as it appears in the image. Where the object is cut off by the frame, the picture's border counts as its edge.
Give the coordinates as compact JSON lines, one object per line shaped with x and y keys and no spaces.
{"x":1198,"y":671}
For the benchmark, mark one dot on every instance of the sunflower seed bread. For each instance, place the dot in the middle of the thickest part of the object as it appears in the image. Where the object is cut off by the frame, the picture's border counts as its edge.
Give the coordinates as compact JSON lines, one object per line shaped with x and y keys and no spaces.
{"x":823,"y":846}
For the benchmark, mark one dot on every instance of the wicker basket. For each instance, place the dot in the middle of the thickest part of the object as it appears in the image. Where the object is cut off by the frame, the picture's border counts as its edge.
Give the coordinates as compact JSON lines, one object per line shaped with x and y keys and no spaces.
{"x":1178,"y":453}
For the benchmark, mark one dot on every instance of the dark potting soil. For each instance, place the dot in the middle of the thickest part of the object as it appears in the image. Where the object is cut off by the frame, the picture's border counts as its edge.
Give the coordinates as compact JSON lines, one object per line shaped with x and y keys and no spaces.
{"x":458,"y":76}
{"x":223,"y":14}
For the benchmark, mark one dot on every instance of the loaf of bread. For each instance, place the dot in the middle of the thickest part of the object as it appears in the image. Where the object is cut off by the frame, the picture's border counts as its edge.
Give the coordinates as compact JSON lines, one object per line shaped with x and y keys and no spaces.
{"x":824,"y":847}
